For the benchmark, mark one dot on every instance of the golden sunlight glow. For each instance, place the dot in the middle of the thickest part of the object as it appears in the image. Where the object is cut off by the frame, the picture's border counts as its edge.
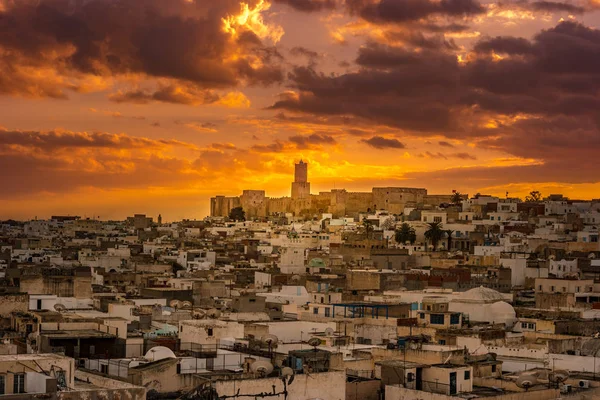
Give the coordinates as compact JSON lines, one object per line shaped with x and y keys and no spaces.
{"x":234,"y":100}
{"x":251,"y":19}
{"x":497,"y":57}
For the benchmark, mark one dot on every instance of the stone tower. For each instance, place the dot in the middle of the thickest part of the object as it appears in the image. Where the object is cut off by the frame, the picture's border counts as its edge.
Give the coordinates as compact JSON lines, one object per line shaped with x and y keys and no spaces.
{"x":301,"y":186}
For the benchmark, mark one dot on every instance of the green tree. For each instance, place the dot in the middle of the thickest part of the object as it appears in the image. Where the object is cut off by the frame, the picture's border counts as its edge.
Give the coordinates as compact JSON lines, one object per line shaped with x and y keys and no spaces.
{"x":405,"y":233}
{"x":456,"y":198}
{"x":434,"y":233}
{"x":367,"y":226}
{"x":237,"y":214}
{"x":534,"y":196}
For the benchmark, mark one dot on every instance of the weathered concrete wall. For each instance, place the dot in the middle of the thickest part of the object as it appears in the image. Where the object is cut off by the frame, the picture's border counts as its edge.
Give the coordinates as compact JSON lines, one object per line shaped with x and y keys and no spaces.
{"x":363,"y":390}
{"x":400,"y":393}
{"x":324,"y":386}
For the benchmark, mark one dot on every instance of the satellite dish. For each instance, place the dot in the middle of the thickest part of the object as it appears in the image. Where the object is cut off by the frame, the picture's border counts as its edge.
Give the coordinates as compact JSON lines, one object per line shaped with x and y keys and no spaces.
{"x":314,"y":342}
{"x":371,"y":293}
{"x":174,"y":303}
{"x":270,"y":340}
{"x":186,"y":304}
{"x":296,"y":278}
{"x":329,"y":331}
{"x":60,"y":307}
{"x":287,"y":372}
{"x":262,"y":368}
{"x":526,"y":381}
{"x":198,"y":314}
{"x":213,"y":313}
{"x":558,"y":376}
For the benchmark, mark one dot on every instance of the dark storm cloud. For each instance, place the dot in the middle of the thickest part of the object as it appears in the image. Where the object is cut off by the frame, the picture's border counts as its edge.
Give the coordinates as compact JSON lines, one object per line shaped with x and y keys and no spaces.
{"x":399,"y":11}
{"x":445,"y":144}
{"x":418,"y":39}
{"x":303,"y":51}
{"x":558,"y":72}
{"x":309,"y":5}
{"x":52,"y":140}
{"x":553,"y":6}
{"x":189,"y":95}
{"x":174,"y":39}
{"x":303,"y":142}
{"x":552,"y":82}
{"x":381,"y":143}
{"x":505,"y":45}
{"x":396,"y":87}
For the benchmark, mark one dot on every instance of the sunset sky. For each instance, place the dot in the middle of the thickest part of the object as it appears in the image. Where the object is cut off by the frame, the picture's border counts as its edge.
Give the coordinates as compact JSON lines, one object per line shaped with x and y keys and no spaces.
{"x":115,"y":107}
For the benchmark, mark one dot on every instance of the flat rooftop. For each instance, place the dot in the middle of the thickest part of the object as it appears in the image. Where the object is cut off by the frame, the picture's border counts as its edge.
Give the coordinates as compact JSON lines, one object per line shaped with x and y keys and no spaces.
{"x":32,"y":357}
{"x":80,"y":334}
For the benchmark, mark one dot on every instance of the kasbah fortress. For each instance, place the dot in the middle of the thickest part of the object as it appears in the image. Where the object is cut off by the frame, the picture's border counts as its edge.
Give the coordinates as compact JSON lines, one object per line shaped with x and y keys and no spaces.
{"x":337,"y":202}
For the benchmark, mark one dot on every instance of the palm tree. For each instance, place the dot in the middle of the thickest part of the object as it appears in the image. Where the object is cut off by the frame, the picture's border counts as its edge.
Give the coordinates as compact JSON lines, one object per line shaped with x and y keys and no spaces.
{"x":456,"y":198}
{"x":368,"y":227}
{"x":405,"y":233}
{"x":434,"y":233}
{"x":449,"y":232}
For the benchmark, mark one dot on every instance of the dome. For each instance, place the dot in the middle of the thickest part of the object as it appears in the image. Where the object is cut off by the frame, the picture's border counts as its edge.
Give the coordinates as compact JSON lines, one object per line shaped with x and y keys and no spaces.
{"x":481,"y":294}
{"x":159,"y":353}
{"x":502,"y":312}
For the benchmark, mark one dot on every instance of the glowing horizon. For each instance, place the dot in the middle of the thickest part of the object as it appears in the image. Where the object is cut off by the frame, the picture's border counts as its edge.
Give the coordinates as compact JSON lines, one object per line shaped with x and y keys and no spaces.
{"x":156,"y":106}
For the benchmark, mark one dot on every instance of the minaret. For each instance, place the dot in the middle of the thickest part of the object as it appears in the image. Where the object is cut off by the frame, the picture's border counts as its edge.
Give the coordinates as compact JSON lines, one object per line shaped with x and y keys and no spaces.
{"x":301,"y":186}
{"x":159,"y":219}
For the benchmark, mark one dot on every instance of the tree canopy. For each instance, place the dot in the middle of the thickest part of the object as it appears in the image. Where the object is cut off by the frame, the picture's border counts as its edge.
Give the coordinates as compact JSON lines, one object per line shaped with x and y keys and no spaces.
{"x":434,"y":233}
{"x":237,"y":214}
{"x":534,"y":196}
{"x":405,"y":233}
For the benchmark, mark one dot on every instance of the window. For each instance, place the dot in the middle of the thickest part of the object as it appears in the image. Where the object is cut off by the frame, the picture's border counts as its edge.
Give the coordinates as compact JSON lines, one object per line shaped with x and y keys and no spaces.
{"x":494,"y":368}
{"x":2,"y":384}
{"x":436,"y":319}
{"x":428,"y":307}
{"x":422,"y":315}
{"x":552,"y":288}
{"x":442,"y":341}
{"x":524,"y":325}
{"x":315,"y":310}
{"x":437,"y":219}
{"x":455,"y":319}
{"x":467,"y":375}
{"x":252,"y":300}
{"x":209,"y":331}
{"x":531,"y":326}
{"x":327,"y":312}
{"x":39,"y":304}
